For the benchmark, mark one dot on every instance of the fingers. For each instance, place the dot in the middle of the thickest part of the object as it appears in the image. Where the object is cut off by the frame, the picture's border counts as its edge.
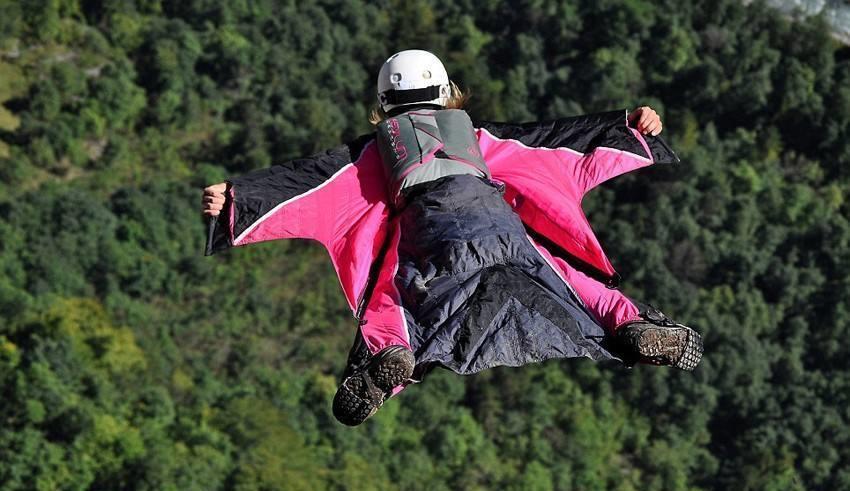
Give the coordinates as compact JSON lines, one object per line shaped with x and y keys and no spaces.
{"x":213,"y":199}
{"x":653,"y":128}
{"x":648,"y":117}
{"x":648,"y":122}
{"x":216,"y":188}
{"x":213,"y":207}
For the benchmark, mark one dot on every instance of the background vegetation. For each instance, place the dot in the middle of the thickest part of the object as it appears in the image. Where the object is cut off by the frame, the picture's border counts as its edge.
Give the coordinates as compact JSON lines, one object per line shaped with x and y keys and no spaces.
{"x":129,"y":361}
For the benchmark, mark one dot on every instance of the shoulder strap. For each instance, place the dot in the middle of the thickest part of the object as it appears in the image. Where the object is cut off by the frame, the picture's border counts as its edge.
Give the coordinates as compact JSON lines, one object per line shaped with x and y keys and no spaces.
{"x":459,"y":139}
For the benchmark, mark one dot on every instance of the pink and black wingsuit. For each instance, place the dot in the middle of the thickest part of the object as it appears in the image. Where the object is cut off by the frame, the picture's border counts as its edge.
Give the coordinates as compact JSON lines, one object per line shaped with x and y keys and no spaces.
{"x":495,"y":265}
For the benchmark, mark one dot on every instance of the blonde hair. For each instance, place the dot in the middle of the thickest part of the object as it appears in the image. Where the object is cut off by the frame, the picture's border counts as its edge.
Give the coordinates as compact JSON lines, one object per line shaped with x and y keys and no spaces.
{"x":457,"y":100}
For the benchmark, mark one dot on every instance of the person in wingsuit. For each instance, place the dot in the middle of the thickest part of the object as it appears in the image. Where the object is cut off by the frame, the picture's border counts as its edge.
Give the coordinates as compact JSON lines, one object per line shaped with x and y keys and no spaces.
{"x":460,"y":245}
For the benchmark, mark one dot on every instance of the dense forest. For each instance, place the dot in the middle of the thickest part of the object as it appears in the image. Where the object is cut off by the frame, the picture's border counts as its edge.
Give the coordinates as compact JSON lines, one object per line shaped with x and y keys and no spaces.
{"x":835,"y":12}
{"x":130,"y":361}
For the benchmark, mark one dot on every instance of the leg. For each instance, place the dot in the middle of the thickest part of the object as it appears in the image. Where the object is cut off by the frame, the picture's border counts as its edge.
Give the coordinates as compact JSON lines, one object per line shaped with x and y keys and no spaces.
{"x":364,"y":391}
{"x":380,"y":361}
{"x":384,"y":320}
{"x":610,"y":307}
{"x":656,"y":339}
{"x":646,"y":337}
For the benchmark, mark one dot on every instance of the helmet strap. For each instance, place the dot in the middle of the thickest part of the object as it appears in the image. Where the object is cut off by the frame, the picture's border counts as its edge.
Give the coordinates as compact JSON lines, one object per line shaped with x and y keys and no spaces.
{"x":393,"y":96}
{"x":403,"y":109}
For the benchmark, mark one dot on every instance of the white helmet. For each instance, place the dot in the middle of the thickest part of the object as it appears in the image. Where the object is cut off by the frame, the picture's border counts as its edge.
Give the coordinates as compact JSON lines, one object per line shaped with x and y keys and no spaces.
{"x":412,"y":77}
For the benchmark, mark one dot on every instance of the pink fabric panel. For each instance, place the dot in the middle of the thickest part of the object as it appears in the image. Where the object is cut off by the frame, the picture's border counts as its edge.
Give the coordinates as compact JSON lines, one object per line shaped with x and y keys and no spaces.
{"x":553,"y":171}
{"x":610,"y":307}
{"x":347,"y":214}
{"x":605,"y":163}
{"x":231,"y":212}
{"x":352,"y":254}
{"x":545,"y":187}
{"x":384,"y":323}
{"x":642,"y":140}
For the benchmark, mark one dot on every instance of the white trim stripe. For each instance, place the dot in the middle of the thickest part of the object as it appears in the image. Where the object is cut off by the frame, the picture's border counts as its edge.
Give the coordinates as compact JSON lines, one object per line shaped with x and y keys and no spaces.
{"x":396,"y":241}
{"x":566,"y":149}
{"x":642,"y":159}
{"x":557,"y":271}
{"x":271,"y":212}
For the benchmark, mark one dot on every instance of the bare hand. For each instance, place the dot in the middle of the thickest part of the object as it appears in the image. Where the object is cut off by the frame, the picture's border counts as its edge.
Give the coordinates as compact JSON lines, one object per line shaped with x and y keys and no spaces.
{"x":213,"y":200}
{"x":645,"y":120}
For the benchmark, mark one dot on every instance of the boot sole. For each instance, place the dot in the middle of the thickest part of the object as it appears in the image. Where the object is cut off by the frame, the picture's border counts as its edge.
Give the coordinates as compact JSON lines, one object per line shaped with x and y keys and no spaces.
{"x":693,"y":352}
{"x":351,"y":409}
{"x":655,"y":342}
{"x":355,"y":401}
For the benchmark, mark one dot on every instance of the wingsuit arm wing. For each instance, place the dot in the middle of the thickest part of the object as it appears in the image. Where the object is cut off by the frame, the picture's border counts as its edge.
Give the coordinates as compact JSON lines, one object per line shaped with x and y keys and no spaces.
{"x":548,"y":167}
{"x":602,"y":145}
{"x":337,"y":198}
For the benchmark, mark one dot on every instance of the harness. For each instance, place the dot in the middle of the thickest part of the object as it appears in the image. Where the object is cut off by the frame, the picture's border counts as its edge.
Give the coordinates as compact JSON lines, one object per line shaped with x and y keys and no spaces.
{"x":424,"y":145}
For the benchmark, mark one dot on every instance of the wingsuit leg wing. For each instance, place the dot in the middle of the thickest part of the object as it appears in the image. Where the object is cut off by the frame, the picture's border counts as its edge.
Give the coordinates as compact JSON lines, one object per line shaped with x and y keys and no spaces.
{"x":609,"y":306}
{"x":384,"y":321}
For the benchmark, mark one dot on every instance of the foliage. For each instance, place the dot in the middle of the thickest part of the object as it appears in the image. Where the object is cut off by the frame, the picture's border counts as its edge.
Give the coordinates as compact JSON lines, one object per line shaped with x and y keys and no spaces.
{"x":129,"y":361}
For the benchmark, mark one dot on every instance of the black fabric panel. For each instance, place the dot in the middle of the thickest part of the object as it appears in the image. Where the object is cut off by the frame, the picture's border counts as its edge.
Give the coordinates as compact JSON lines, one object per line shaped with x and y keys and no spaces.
{"x":578,"y":132}
{"x":218,"y":231}
{"x":661,"y":152}
{"x":217,"y":236}
{"x":513,"y":320}
{"x":257,"y":192}
{"x":478,"y":293}
{"x":358,"y":356}
{"x":582,"y":134}
{"x":621,"y":138}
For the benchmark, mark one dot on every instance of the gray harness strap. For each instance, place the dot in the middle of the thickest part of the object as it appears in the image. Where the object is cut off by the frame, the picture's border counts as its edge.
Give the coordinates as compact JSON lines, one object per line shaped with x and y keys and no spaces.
{"x":425,"y":145}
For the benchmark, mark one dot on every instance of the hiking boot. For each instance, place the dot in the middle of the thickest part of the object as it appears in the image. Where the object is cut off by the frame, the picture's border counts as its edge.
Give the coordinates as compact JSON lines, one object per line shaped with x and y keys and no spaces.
{"x":658,"y":340}
{"x":361,"y":394}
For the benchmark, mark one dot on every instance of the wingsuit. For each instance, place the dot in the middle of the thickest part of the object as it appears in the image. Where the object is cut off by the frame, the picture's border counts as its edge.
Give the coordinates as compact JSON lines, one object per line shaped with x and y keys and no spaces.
{"x":463,"y":243}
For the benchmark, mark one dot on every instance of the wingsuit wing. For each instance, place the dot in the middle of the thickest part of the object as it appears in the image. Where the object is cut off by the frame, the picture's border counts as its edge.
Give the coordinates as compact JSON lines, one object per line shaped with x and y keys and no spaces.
{"x":548,"y":167}
{"x":337,"y":198}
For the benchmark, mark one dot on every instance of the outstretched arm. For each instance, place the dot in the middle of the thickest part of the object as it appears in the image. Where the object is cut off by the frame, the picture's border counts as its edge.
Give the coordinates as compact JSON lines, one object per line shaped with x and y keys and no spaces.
{"x":337,"y":198}
{"x":548,"y":167}
{"x":585,"y":150}
{"x":302,"y":198}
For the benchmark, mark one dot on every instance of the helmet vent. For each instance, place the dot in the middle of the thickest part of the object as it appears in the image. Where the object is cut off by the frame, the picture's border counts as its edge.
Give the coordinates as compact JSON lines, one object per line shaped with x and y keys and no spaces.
{"x":396,"y":77}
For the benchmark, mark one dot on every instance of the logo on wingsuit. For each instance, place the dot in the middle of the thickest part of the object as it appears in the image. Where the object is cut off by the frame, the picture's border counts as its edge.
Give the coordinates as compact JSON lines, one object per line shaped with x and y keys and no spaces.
{"x":397,"y":145}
